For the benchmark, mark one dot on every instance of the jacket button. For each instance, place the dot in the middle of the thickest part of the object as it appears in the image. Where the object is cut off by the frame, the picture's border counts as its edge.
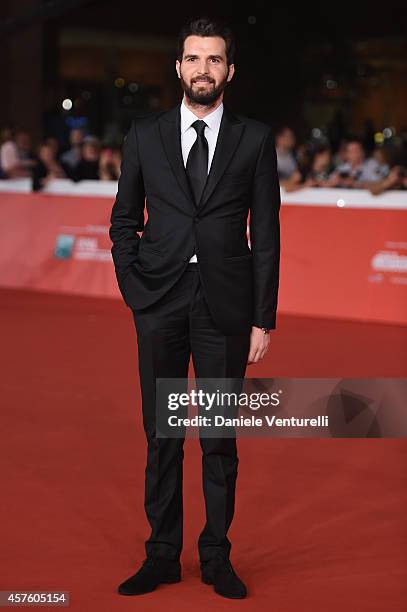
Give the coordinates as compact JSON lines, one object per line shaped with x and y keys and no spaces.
{"x":197,"y":219}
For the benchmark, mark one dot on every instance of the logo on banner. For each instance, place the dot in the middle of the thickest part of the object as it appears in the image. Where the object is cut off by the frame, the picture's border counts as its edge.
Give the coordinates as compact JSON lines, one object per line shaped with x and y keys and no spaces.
{"x":64,"y":246}
{"x":390,"y":262}
{"x":88,"y":243}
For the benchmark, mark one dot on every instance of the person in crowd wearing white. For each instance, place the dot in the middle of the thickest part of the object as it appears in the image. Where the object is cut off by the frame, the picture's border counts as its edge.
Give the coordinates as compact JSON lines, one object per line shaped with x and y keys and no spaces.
{"x":357,"y":171}
{"x":286,"y":162}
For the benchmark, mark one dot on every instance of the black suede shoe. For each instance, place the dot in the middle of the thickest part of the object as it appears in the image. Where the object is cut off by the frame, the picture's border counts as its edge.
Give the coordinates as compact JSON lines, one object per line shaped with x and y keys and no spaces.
{"x":219,"y":572}
{"x":153,"y":572}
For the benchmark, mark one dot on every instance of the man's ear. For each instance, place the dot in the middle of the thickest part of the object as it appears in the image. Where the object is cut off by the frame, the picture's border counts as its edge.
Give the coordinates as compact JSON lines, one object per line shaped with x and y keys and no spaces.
{"x":177,"y":68}
{"x":231,"y":72}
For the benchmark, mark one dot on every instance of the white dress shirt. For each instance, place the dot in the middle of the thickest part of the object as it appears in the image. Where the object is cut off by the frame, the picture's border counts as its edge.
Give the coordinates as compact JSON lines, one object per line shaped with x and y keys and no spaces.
{"x":189,"y":135}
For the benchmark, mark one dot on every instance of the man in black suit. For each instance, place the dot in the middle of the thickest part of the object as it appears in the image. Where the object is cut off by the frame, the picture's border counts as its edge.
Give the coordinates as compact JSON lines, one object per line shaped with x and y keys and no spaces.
{"x":193,"y":284}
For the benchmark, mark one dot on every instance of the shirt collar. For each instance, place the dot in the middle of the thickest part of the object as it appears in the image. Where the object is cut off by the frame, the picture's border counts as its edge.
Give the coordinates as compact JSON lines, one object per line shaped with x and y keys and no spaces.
{"x":212,"y":120}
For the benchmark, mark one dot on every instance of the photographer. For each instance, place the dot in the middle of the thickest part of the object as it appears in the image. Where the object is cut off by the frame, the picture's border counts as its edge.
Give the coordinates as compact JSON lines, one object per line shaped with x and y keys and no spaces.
{"x":357,"y":172}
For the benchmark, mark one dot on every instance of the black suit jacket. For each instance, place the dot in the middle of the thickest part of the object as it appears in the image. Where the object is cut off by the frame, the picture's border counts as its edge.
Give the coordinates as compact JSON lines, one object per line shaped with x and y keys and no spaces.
{"x":240,"y":284}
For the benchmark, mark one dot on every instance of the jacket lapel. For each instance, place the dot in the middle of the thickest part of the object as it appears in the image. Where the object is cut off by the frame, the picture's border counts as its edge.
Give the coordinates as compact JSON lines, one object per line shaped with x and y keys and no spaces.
{"x":230,"y":133}
{"x":170,"y":131}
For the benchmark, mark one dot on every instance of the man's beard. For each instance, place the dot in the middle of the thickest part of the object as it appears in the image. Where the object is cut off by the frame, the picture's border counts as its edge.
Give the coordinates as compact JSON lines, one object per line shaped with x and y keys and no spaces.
{"x":204,"y":97}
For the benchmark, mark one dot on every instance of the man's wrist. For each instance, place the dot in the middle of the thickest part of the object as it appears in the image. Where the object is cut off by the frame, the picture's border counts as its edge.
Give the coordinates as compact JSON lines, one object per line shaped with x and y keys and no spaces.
{"x":265,"y":330}
{"x":264,"y":323}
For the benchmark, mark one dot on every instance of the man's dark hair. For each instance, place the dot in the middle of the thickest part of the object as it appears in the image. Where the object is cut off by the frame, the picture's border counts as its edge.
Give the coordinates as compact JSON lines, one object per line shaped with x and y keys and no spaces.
{"x":321,"y":148}
{"x":280,"y":129}
{"x":355,"y":138}
{"x":204,"y":26}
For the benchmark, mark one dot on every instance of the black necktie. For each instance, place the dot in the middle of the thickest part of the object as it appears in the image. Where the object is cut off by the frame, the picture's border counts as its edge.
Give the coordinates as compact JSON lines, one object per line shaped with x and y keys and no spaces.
{"x":197,"y":162}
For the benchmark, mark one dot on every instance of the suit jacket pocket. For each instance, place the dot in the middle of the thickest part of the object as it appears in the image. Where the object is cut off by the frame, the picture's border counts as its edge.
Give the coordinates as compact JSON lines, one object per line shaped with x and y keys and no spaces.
{"x":238,"y":257}
{"x":149,"y":250}
{"x":237,"y":177}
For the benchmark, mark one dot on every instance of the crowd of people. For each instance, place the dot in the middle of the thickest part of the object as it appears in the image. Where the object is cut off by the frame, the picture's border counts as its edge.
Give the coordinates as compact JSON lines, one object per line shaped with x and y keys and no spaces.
{"x":314,"y":164}
{"x":84,"y":159}
{"x":310,"y":164}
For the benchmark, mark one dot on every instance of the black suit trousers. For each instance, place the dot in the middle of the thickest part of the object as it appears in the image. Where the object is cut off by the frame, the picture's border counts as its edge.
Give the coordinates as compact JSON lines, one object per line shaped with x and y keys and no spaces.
{"x":168,"y":332}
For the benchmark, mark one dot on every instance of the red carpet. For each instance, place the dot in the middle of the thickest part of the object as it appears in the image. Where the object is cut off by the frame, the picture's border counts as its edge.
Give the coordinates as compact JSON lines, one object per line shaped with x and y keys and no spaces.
{"x":319,"y":524}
